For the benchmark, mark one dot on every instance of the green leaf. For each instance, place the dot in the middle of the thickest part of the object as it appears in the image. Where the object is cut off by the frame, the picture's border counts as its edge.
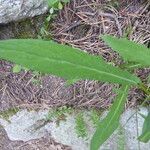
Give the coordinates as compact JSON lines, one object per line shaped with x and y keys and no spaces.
{"x":16,"y":68}
{"x":129,"y":50}
{"x":48,"y":18}
{"x":65,"y":1}
{"x":63,"y":61}
{"x":145,"y":136}
{"x":110,"y":123}
{"x":60,"y":6}
{"x":52,"y":2}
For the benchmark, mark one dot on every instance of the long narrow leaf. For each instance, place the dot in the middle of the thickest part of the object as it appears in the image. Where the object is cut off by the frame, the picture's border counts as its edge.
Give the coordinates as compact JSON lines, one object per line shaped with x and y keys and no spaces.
{"x":110,"y":123}
{"x":145,"y":136}
{"x":129,"y":50}
{"x":63,"y":61}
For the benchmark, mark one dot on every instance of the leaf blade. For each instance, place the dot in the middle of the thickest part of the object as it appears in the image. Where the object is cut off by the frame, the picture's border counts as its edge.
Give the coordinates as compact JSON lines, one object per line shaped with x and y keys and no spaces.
{"x":110,"y":123}
{"x":145,"y":136}
{"x":129,"y":50}
{"x":62,"y":60}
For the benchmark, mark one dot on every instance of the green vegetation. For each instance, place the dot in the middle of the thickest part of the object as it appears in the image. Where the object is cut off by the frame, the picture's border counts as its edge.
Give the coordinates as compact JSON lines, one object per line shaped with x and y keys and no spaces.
{"x":95,"y":117}
{"x":130,"y":51}
{"x":121,"y":140}
{"x":16,"y":68}
{"x":145,"y":136}
{"x":8,"y":113}
{"x":74,"y":64}
{"x":81,"y":128}
{"x":65,"y":61}
{"x":58,"y":114}
{"x":110,"y":123}
{"x":54,"y":7}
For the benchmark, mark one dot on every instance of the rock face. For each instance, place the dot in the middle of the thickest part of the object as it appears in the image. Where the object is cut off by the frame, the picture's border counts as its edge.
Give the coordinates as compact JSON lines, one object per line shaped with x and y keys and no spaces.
{"x":13,"y":10}
{"x":23,"y":127}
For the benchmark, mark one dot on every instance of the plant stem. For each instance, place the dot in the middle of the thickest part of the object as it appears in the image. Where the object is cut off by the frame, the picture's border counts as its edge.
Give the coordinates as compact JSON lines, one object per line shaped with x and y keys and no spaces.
{"x":145,"y":89}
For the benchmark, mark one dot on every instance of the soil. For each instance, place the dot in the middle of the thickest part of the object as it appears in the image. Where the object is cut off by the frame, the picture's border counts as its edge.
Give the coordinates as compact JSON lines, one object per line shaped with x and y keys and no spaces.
{"x":79,"y":24}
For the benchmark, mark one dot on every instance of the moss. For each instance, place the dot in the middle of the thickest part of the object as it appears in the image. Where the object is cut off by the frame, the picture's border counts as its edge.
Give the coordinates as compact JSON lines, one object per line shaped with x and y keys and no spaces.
{"x":8,"y":113}
{"x":81,"y":126}
{"x":59,"y":114}
{"x":28,"y":28}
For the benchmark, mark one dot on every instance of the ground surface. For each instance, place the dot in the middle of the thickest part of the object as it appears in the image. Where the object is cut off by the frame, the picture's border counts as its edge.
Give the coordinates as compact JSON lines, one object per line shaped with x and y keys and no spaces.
{"x":24,"y":126}
{"x":45,"y":143}
{"x":79,"y":24}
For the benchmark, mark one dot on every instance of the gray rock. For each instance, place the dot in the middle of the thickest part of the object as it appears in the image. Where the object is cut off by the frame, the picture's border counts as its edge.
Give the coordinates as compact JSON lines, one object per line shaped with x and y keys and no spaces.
{"x":123,"y":138}
{"x":21,"y":128}
{"x":133,"y":128}
{"x":13,"y":10}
